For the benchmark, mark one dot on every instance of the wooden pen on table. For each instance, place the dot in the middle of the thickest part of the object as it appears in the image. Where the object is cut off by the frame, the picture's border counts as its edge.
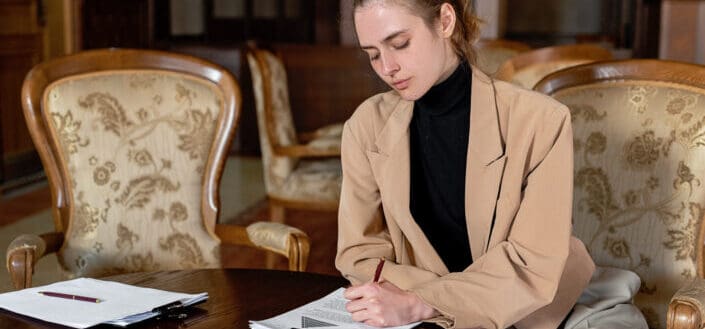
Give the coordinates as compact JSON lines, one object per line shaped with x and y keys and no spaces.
{"x":70,"y":296}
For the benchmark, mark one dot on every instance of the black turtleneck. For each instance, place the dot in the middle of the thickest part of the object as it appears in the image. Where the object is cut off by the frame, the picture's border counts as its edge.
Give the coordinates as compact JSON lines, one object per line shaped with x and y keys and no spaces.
{"x":439,"y":134}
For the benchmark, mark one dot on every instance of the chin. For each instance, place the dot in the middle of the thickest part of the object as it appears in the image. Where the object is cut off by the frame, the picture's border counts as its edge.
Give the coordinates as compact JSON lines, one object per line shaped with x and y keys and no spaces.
{"x":409,"y":95}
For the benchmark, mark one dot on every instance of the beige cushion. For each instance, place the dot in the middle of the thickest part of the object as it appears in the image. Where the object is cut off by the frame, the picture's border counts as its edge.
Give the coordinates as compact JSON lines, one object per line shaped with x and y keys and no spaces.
{"x":331,"y":130}
{"x":272,"y":236}
{"x":313,"y":181}
{"x":134,"y":144}
{"x":639,"y":175}
{"x":489,"y":59}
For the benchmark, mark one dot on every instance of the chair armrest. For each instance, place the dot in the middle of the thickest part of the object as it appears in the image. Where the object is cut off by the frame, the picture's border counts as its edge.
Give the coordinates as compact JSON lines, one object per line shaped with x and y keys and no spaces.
{"x":276,"y":237}
{"x":23,"y":253}
{"x":332,"y":130}
{"x":312,"y":150}
{"x":687,"y":307}
{"x":324,"y":142}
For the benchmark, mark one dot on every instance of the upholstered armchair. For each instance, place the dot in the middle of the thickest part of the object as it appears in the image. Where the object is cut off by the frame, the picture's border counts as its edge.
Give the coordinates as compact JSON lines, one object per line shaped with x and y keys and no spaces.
{"x":491,"y":53}
{"x":527,"y":68}
{"x":639,"y":199}
{"x":133,"y":143}
{"x":301,"y":170}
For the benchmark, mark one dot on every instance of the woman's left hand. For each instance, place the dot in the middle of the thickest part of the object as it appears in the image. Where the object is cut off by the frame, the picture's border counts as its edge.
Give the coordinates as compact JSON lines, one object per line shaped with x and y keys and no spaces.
{"x":382,"y":304}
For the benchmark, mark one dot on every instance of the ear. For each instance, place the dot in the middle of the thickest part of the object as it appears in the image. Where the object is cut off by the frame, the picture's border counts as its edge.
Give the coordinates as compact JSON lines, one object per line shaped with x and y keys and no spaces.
{"x":446,"y":20}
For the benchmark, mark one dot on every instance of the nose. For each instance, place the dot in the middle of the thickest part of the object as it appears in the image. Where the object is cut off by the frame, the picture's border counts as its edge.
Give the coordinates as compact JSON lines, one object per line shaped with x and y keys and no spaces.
{"x":389,"y":64}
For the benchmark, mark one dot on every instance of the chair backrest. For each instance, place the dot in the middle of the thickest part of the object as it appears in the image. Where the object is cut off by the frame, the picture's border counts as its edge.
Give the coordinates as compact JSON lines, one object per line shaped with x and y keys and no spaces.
{"x":274,"y":118}
{"x":639,"y":199}
{"x":491,"y":53}
{"x":133,"y":143}
{"x":527,"y":68}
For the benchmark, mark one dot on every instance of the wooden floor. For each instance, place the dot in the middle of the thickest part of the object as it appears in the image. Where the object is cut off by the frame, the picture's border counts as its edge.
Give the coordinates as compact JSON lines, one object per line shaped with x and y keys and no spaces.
{"x":18,"y":205}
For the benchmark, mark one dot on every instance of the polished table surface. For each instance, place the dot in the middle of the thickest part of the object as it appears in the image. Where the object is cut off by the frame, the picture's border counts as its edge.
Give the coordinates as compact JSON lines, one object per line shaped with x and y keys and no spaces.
{"x":235,"y":296}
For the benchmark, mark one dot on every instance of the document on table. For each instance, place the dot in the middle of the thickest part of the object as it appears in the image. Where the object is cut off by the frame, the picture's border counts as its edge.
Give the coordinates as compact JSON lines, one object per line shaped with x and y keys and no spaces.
{"x":327,"y":312}
{"x":120,"y":304}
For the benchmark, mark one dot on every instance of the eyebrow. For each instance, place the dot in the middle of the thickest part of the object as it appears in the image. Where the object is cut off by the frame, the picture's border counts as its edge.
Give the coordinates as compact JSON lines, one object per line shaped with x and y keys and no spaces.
{"x":385,"y":40}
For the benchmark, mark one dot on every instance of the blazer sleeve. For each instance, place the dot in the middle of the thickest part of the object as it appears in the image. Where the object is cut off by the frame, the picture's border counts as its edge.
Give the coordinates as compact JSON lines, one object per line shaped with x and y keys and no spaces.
{"x":363,"y":237}
{"x":521,"y":274}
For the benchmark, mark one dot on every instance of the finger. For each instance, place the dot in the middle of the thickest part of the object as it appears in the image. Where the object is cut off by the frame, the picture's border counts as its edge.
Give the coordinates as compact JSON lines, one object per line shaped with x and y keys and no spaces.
{"x":366,"y":317}
{"x":361,"y":291}
{"x":360,"y":315}
{"x":355,"y":305}
{"x":352,"y":293}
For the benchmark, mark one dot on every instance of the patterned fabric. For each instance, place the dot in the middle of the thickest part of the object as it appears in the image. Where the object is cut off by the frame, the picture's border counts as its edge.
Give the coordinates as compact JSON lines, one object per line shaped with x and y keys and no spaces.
{"x":134,"y":145}
{"x":313,"y":180}
{"x":639,"y":196}
{"x":287,"y":177}
{"x":529,"y":76}
{"x":271,"y":236}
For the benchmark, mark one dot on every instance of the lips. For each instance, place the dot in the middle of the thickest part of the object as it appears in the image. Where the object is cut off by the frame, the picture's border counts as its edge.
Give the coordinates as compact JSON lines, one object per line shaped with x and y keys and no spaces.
{"x":401,"y":84}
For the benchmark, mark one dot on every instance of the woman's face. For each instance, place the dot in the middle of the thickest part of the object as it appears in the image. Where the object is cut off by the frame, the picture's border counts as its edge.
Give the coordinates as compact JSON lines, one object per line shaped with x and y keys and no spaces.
{"x":408,"y":55}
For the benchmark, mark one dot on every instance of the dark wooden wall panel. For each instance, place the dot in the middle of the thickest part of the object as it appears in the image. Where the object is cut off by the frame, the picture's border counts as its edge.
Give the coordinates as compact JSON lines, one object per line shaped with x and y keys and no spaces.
{"x":327,"y":83}
{"x":18,"y":54}
{"x":126,"y":24}
{"x":21,"y":47}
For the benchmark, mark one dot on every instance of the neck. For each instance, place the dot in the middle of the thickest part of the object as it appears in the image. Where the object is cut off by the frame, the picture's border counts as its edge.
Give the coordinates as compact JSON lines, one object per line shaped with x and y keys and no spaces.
{"x":451,"y":93}
{"x":450,"y":66}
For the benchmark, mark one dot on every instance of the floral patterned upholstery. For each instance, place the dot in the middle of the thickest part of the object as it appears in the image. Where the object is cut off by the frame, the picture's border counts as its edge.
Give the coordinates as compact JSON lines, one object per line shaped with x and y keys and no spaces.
{"x":639,"y":180}
{"x":134,"y":145}
{"x":287,"y":177}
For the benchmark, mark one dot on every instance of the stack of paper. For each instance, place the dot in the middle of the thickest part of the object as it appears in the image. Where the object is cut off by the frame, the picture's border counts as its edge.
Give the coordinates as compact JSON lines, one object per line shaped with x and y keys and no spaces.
{"x":118,"y":304}
{"x":326,"y":312}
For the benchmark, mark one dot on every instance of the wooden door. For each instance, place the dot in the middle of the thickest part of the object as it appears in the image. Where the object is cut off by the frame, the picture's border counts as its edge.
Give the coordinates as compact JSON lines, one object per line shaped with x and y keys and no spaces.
{"x":117,"y":23}
{"x":21,"y":47}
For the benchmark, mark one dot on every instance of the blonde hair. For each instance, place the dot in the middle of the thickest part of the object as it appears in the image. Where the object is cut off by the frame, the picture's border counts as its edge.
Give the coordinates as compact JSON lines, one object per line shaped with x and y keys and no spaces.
{"x":467,"y":27}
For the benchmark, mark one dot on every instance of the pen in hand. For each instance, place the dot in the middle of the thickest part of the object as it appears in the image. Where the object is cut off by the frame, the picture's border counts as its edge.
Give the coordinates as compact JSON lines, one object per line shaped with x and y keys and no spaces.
{"x":69,"y":296}
{"x":378,"y":271}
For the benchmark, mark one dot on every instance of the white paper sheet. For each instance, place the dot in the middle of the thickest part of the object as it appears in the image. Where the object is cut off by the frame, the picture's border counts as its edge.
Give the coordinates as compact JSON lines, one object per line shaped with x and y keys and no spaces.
{"x":327,"y":312}
{"x":118,"y":301}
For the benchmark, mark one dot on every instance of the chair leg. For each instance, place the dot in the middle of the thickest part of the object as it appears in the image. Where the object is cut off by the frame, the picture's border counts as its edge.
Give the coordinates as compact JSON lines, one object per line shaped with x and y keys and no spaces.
{"x":277,"y":214}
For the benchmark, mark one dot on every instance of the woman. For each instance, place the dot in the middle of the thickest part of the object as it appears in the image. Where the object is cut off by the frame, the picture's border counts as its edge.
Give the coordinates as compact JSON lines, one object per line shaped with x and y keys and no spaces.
{"x":462,"y":184}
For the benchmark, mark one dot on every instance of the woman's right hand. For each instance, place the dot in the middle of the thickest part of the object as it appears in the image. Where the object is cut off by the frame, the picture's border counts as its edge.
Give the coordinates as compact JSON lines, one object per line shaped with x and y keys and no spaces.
{"x":383,"y":304}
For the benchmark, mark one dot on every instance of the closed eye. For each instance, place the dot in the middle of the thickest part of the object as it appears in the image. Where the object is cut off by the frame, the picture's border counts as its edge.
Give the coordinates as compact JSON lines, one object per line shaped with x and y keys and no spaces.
{"x":374,"y":57}
{"x":401,"y":46}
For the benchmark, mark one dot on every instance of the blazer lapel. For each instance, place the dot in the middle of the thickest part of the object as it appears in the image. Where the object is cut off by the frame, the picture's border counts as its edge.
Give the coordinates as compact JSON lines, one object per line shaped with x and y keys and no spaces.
{"x":485,"y":163}
{"x":485,"y":166}
{"x":393,"y":162}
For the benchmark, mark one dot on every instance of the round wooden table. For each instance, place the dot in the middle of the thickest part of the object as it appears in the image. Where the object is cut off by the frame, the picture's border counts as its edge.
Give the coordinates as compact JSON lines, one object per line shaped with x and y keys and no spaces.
{"x":235,"y":296}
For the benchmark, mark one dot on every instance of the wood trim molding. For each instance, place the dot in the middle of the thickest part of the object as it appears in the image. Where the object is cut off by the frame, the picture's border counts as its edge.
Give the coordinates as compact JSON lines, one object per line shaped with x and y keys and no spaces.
{"x":622,"y":70}
{"x":72,"y":26}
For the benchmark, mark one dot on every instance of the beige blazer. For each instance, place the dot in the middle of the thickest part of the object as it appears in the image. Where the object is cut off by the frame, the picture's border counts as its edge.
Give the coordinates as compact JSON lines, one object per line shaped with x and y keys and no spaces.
{"x":528,"y":270}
